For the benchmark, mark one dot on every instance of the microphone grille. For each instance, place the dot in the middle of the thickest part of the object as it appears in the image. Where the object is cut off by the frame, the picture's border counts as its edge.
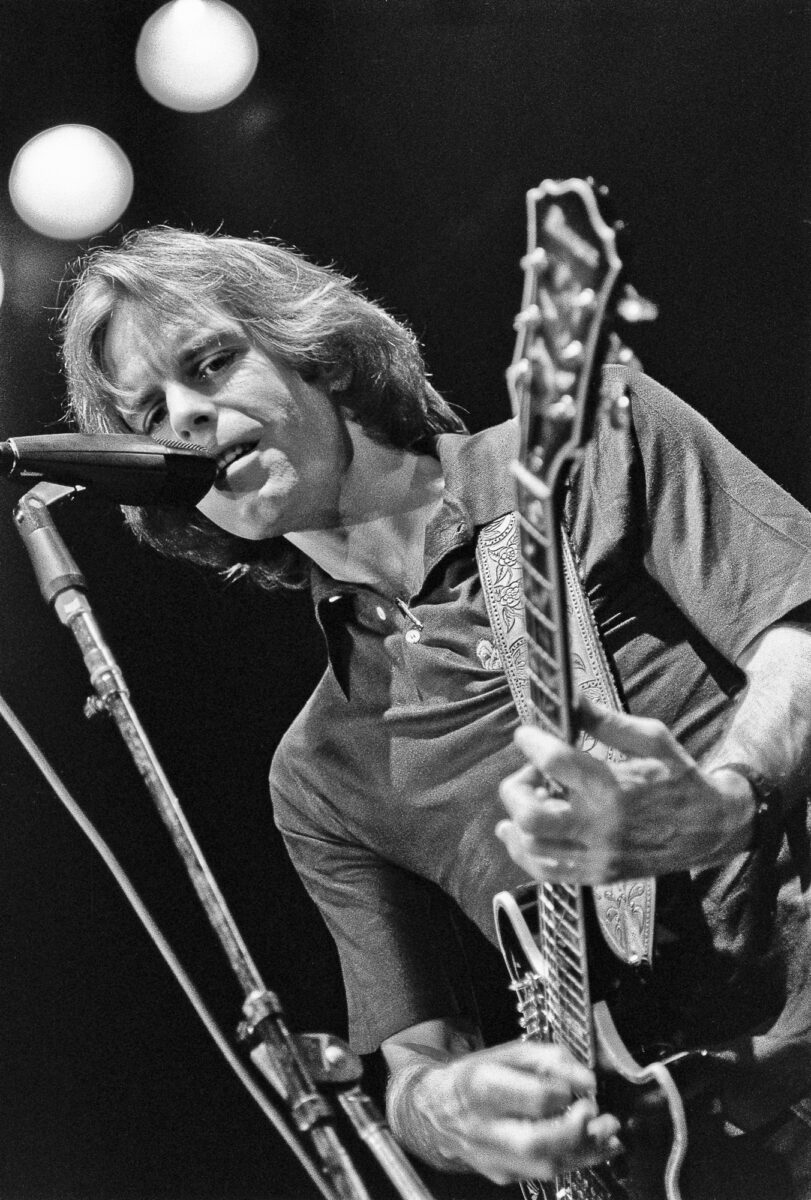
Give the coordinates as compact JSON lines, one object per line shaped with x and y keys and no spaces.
{"x":170,"y":444}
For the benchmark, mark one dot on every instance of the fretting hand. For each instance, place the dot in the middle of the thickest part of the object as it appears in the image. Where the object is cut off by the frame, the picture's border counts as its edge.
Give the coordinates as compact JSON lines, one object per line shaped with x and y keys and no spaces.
{"x":653,"y":812}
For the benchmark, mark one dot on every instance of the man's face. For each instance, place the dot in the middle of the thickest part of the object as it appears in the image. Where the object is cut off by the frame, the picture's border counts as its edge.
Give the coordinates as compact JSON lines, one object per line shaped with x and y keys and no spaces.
{"x":204,"y":383}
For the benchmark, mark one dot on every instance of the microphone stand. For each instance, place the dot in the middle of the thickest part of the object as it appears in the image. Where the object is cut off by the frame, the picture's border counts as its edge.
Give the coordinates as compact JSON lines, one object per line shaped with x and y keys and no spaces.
{"x":278,"y":1054}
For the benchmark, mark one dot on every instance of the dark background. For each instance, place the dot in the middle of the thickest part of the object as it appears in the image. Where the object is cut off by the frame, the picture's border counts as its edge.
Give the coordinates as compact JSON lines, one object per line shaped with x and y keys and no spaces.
{"x":396,"y":139}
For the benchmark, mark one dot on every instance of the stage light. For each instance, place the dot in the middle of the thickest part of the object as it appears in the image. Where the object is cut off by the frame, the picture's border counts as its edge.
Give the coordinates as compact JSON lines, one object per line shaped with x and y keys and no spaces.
{"x":70,"y":181}
{"x":195,"y":55}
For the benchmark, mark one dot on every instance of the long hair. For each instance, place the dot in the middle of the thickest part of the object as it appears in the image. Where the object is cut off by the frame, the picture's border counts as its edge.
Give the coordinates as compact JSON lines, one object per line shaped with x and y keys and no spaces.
{"x":310,"y":317}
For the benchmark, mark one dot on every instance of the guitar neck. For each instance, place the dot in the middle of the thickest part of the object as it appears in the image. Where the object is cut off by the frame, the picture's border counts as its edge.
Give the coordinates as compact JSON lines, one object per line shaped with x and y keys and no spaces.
{"x":561,"y":923}
{"x":550,"y":675}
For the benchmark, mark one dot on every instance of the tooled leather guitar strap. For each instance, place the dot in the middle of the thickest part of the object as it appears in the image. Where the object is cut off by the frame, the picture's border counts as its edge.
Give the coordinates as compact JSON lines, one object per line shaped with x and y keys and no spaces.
{"x":625,"y":909}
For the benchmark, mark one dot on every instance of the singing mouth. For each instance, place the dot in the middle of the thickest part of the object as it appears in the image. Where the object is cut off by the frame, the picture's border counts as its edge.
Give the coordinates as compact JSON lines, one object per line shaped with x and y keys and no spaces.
{"x":230,"y":456}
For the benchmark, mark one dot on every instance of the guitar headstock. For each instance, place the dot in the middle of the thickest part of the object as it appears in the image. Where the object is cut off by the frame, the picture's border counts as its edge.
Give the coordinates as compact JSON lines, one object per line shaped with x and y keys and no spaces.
{"x":571,"y":271}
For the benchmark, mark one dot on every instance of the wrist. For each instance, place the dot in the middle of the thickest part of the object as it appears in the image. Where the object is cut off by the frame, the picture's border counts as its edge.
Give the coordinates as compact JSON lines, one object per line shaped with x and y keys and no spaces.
{"x":764,"y":826}
{"x":417,"y":1111}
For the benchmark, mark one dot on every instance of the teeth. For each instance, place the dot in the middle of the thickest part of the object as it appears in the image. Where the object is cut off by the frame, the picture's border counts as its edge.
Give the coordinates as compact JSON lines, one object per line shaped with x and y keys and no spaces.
{"x":232,"y":454}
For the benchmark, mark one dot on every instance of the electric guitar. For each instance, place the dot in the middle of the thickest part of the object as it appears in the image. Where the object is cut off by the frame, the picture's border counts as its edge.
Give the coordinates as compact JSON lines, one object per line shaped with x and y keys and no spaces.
{"x":552,"y":935}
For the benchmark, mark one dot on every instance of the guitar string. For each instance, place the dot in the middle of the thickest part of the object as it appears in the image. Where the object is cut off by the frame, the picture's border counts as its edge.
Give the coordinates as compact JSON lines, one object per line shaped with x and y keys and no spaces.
{"x":566,"y":1015}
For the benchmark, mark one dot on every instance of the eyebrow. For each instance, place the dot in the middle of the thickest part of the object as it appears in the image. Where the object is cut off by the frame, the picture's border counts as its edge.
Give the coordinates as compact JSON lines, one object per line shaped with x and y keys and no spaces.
{"x":200,"y":345}
{"x":205,"y":342}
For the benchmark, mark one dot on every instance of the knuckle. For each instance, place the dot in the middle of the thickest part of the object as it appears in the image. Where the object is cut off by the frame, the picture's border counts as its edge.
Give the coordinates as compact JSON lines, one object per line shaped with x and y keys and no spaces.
{"x":555,"y":1055}
{"x":657,"y":733}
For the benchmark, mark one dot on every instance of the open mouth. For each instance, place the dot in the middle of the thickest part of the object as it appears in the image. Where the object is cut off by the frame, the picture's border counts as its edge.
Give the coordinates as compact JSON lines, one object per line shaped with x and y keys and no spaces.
{"x":229,"y":457}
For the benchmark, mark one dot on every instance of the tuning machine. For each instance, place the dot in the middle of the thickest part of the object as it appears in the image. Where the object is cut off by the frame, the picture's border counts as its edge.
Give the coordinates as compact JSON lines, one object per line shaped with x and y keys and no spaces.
{"x":632,"y":307}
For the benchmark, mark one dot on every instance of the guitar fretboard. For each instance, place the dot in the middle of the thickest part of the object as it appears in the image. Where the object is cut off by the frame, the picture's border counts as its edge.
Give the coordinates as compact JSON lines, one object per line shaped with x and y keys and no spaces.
{"x":561,"y":929}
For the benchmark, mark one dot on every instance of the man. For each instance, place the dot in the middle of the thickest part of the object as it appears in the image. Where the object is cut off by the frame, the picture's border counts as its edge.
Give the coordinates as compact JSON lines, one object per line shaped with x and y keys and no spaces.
{"x":341,"y":465}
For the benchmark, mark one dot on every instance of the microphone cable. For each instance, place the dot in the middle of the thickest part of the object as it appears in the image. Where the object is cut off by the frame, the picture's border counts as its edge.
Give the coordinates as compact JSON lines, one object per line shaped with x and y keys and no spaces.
{"x":195,"y":999}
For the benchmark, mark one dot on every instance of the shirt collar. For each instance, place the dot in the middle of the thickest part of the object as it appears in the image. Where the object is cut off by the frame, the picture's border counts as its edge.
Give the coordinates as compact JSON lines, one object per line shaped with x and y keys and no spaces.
{"x":476,"y":471}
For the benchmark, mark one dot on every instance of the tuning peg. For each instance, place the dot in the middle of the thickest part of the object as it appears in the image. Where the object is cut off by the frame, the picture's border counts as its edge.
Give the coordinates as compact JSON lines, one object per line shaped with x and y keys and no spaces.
{"x":632,"y":307}
{"x":573,"y":352}
{"x":530,"y":315}
{"x":536,"y":259}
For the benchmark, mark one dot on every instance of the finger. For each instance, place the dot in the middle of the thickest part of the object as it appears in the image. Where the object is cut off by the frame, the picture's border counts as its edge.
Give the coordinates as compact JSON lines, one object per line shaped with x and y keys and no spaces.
{"x":605,"y":1129}
{"x":634,"y":736}
{"x":557,"y":862}
{"x":565,"y":764}
{"x":520,"y":1094}
{"x":531,"y":806}
{"x":541,"y":1059}
{"x":546,"y":1148}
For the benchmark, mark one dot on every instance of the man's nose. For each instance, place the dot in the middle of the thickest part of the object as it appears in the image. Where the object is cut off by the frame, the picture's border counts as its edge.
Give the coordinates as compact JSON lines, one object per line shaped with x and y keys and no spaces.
{"x":192,"y":416}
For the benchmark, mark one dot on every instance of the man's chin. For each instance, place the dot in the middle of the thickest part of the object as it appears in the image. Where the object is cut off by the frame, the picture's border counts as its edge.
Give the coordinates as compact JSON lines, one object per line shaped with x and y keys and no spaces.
{"x":233,"y":519}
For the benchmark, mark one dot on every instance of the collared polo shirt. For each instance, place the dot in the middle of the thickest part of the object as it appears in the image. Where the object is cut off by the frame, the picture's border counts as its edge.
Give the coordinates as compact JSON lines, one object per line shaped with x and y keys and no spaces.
{"x":386,"y":785}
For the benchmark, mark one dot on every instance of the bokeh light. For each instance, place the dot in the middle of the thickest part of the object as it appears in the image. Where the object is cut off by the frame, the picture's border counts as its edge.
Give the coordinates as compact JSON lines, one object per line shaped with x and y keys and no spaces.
{"x":70,"y":181}
{"x":196,"y":55}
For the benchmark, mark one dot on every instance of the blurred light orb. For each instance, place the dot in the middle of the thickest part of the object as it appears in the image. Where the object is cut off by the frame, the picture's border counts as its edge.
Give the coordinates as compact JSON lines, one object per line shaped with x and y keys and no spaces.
{"x":70,"y":181}
{"x":196,"y":55}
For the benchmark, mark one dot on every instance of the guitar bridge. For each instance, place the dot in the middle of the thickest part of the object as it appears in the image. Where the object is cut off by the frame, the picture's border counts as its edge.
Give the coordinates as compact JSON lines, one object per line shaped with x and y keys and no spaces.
{"x":528,"y":991}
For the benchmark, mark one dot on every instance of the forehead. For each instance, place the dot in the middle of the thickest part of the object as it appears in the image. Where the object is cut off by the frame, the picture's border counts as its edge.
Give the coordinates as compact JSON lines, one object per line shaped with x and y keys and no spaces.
{"x":140,"y":343}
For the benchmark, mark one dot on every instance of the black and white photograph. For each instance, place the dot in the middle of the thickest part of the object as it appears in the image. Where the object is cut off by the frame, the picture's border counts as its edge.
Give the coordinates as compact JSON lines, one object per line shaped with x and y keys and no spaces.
{"x":405,"y":600}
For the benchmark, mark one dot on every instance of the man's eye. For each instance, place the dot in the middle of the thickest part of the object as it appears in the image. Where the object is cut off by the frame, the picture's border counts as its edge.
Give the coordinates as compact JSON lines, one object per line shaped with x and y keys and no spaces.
{"x":154,"y":416}
{"x":210,"y":366}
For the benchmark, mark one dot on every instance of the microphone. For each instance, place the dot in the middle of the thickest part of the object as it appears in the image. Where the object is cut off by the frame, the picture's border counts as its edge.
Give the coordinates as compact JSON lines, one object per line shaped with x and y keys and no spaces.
{"x":125,"y":468}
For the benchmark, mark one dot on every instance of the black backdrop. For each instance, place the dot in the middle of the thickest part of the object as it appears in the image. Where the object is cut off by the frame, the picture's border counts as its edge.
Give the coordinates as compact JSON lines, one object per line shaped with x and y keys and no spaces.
{"x":395,"y":138}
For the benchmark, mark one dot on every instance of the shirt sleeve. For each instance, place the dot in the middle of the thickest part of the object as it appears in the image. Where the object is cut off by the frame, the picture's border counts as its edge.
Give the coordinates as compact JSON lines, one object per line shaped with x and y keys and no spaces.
{"x":399,"y":954}
{"x":718,"y":526}
{"x":726,"y":543}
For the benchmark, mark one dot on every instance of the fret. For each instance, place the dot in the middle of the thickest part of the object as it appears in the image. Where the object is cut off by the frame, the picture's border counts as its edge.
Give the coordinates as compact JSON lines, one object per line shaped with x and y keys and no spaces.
{"x":534,"y":534}
{"x":563,"y":895}
{"x":562,"y":928}
{"x":573,"y":1039}
{"x":544,"y":722}
{"x":566,"y":992}
{"x":566,"y":936}
{"x":576,"y":1016}
{"x":541,"y":646}
{"x":546,"y":697}
{"x":545,"y":659}
{"x":545,"y":692}
{"x":564,"y":999}
{"x":545,"y":622}
{"x":572,"y":980}
{"x":533,"y":575}
{"x":561,"y":910}
{"x":535,"y":546}
{"x":542,"y":634}
{"x":552,"y":716}
{"x":566,"y":1017}
{"x":571,"y":952}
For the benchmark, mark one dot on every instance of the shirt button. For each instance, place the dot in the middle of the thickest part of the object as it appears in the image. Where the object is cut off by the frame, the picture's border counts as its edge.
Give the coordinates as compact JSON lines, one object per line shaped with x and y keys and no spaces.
{"x":412,"y":636}
{"x":381,"y":612}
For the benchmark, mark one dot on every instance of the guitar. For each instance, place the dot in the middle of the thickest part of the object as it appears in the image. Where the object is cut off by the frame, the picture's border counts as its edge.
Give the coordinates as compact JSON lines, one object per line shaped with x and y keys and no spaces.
{"x":552,"y":935}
